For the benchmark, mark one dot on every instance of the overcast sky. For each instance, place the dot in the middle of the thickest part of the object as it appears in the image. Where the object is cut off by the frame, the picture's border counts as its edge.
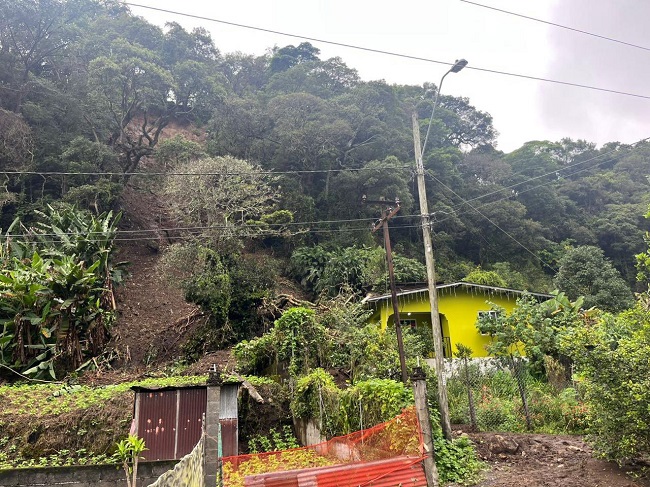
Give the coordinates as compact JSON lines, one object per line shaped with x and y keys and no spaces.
{"x":446,"y":30}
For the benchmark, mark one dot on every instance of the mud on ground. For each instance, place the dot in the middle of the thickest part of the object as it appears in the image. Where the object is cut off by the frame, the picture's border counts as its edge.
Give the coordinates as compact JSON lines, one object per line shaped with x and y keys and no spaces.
{"x":535,"y":460}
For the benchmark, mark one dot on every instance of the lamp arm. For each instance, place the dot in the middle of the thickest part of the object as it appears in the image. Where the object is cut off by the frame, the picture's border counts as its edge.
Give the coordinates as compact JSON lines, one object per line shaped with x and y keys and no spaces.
{"x":433,"y":111}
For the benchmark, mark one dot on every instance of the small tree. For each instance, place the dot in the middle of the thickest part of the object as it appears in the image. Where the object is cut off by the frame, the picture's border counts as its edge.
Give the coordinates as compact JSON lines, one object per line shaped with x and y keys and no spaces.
{"x":128,"y":452}
{"x":532,"y":329}
{"x":464,"y":353}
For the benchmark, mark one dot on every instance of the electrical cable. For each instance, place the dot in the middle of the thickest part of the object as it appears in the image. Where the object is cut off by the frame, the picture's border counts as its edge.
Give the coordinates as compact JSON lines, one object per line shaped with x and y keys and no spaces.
{"x":453,"y":209}
{"x":228,"y":173}
{"x":389,"y":53}
{"x":542,"y":261}
{"x":556,"y":172}
{"x":559,"y":25}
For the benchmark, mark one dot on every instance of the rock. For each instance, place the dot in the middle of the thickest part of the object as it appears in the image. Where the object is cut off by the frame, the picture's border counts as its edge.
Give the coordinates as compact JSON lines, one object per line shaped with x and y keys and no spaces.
{"x":501,"y":445}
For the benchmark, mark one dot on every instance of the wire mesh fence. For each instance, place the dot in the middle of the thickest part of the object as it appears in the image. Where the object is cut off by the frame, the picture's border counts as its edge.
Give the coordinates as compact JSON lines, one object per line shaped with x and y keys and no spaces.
{"x":514,"y":394}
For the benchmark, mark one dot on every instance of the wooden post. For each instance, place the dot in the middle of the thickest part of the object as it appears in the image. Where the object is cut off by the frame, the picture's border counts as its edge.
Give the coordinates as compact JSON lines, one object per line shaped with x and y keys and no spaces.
{"x":438,"y":348}
{"x":393,"y":293}
{"x":419,"y":380}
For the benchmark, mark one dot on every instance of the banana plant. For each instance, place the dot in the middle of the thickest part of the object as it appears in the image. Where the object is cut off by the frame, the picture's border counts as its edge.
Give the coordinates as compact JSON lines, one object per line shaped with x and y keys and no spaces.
{"x":56,"y":303}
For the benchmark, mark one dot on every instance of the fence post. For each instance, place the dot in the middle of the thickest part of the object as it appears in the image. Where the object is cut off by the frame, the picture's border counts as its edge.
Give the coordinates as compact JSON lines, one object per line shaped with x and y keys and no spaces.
{"x":419,"y":380}
{"x":212,"y":413}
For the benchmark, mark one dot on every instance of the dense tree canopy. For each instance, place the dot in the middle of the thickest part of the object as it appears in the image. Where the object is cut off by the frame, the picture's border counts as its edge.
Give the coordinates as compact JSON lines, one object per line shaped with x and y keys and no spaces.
{"x":87,"y":87}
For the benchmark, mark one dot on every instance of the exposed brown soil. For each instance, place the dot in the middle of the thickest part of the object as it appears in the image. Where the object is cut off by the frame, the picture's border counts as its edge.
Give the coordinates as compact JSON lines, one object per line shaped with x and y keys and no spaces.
{"x":548,"y":460}
{"x":154,"y":318}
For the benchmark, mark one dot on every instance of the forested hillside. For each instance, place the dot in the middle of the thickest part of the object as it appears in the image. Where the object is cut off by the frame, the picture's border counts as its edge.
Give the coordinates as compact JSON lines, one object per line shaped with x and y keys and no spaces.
{"x":262,"y":179}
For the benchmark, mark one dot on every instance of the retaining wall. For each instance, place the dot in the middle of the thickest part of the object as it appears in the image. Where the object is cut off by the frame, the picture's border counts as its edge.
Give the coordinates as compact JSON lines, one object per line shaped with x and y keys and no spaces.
{"x":83,"y":476}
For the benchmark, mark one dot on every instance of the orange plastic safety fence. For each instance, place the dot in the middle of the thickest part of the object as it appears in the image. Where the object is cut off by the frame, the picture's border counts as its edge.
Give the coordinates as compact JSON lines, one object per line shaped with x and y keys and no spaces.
{"x":399,"y":437}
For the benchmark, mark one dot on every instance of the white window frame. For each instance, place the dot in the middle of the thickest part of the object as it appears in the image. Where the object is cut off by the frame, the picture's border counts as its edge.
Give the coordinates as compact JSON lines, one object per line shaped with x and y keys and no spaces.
{"x":492,"y":314}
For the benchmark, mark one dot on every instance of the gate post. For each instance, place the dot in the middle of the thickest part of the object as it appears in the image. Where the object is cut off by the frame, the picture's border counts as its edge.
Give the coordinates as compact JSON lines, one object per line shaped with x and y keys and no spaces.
{"x":419,"y":380}
{"x":212,"y":458}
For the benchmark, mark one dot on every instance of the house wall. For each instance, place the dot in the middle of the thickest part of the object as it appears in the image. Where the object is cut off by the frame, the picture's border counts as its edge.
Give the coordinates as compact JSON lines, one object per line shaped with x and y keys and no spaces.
{"x":460,"y":308}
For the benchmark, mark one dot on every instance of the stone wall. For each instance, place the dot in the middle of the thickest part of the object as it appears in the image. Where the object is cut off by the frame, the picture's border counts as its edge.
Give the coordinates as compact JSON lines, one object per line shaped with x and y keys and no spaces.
{"x":86,"y":476}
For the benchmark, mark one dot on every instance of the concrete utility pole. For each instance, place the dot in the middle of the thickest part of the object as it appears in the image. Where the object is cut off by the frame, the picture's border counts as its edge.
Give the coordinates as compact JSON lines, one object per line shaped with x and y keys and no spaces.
{"x":386,"y":214}
{"x":443,"y":402}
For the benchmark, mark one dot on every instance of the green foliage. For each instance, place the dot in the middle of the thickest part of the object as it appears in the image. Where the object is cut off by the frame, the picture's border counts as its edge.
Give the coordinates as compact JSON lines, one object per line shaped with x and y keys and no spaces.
{"x":56,"y":302}
{"x":178,"y":150}
{"x":532,"y":329}
{"x":612,"y":361}
{"x":457,"y":461}
{"x":498,"y":404}
{"x":486,"y":278}
{"x":643,"y":259}
{"x":228,"y":287}
{"x":296,"y":340}
{"x":584,"y":271}
{"x":373,"y":401}
{"x":316,"y":396}
{"x":221,"y":195}
{"x":342,"y":411}
{"x":274,"y":441}
{"x":128,"y":454}
{"x":350,"y":269}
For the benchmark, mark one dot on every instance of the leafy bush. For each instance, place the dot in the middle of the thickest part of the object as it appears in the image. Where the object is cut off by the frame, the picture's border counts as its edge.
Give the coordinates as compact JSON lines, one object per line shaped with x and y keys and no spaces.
{"x":296,"y":340}
{"x":317,"y":397}
{"x":612,"y":360}
{"x":457,"y":461}
{"x":227,"y":286}
{"x":274,"y":441}
{"x":373,"y":401}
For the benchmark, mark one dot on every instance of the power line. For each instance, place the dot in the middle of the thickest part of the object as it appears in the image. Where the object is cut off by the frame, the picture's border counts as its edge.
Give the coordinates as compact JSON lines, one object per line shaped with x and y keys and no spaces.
{"x":357,"y":220}
{"x":556,"y":172}
{"x":558,"y":25}
{"x":509,"y":235}
{"x":388,"y":53}
{"x":227,"y":173}
{"x":34,"y":233}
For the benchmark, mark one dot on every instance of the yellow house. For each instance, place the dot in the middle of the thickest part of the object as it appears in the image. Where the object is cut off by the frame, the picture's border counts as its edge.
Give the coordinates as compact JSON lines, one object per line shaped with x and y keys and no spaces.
{"x":459,"y":305}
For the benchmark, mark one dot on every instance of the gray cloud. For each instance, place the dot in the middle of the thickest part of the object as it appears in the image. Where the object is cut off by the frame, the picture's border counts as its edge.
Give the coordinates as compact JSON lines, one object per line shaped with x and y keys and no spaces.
{"x":599,"y":116}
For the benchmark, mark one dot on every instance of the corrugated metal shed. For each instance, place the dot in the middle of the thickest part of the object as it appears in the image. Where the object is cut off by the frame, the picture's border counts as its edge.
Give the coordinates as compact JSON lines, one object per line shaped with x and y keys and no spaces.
{"x":170,"y":420}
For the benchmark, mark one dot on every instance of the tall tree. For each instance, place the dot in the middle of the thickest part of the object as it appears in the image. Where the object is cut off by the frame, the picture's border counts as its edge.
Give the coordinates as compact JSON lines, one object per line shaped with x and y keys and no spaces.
{"x":584,"y":271}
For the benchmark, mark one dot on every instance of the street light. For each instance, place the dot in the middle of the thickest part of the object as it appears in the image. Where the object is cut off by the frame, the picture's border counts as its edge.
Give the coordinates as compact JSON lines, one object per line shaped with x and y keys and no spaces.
{"x":458,"y":66}
{"x":443,"y":402}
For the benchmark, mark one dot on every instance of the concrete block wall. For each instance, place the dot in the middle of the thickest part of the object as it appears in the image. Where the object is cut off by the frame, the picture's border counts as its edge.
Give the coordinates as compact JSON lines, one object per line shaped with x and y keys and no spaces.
{"x":83,"y":476}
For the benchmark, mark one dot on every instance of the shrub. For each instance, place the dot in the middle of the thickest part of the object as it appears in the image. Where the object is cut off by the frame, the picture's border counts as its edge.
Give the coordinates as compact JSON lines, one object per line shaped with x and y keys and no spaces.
{"x":612,"y":358}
